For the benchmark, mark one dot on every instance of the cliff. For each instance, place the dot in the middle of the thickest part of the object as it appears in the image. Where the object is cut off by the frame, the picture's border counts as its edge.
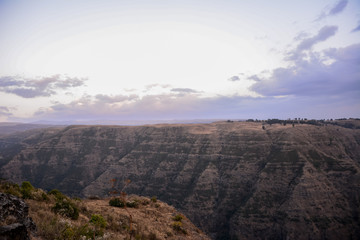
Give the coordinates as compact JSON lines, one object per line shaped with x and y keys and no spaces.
{"x":234,"y":180}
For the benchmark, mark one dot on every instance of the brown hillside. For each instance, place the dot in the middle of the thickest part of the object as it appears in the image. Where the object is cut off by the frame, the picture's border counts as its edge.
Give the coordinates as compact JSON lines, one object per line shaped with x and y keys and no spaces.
{"x":235,"y":180}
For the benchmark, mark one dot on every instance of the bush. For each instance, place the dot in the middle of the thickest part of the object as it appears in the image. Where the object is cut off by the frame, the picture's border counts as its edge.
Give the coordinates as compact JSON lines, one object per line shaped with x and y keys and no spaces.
{"x":177,"y":226}
{"x":58,"y":195}
{"x":10,"y":188}
{"x":66,"y":208}
{"x":153,"y":199}
{"x":77,"y":233}
{"x":178,"y":218}
{"x":117,"y":202}
{"x":26,"y":190}
{"x":132,"y":204}
{"x":98,"y":220}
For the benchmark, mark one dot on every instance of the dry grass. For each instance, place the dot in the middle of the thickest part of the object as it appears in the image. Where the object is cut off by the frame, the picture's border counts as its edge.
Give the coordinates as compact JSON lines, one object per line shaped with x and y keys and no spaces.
{"x":150,"y":220}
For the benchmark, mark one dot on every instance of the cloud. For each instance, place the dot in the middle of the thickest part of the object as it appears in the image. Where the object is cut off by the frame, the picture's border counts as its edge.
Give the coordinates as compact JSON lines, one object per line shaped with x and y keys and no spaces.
{"x":309,"y":87}
{"x":323,"y":34}
{"x":40,"y":87}
{"x":234,"y":79}
{"x":4,"y":111}
{"x":339,"y":7}
{"x":101,"y":98}
{"x":183,"y":90}
{"x":173,"y":106}
{"x":307,"y":43}
{"x":336,"y":9}
{"x":356,"y":29}
{"x":315,"y":77}
{"x":156,"y":85}
{"x":122,"y":107}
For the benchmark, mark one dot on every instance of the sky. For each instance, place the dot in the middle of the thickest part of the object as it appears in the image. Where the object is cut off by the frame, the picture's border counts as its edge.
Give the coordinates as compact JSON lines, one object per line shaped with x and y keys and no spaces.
{"x":91,"y":60}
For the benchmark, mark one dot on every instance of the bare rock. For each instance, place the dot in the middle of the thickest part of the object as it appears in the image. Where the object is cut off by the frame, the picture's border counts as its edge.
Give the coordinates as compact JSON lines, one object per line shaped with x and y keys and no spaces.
{"x":14,"y":220}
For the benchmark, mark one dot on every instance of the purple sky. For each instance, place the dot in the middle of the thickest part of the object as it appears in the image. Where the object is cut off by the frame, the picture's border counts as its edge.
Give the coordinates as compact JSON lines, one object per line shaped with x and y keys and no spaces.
{"x":177,"y":60}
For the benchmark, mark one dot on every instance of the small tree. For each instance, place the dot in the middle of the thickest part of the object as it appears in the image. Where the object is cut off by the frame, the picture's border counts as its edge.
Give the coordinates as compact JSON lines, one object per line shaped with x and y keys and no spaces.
{"x":99,"y":223}
{"x":26,"y":189}
{"x":122,"y":197}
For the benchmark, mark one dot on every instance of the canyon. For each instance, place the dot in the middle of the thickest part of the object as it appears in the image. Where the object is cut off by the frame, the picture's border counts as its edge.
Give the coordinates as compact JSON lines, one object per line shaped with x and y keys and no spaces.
{"x":232,"y":179}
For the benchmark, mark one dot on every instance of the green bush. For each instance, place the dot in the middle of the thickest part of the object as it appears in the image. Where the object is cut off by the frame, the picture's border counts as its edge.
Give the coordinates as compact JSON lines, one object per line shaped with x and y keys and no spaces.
{"x":10,"y":188}
{"x":178,"y":218}
{"x":86,"y":231}
{"x":66,"y":208}
{"x":77,"y":233}
{"x":26,"y":190}
{"x":58,"y":195}
{"x":98,"y":220}
{"x":153,"y":199}
{"x":117,"y":202}
{"x":177,"y":226}
{"x":132,"y":204}
{"x":44,"y":196}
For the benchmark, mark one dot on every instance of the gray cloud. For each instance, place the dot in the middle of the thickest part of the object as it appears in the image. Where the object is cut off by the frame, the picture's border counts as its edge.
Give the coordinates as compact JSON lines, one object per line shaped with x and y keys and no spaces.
{"x":336,"y":9}
{"x":174,"y":106}
{"x":183,"y":90}
{"x":312,"y":89}
{"x":356,"y":29}
{"x":131,"y":107}
{"x":313,"y":77}
{"x":307,"y":43}
{"x":323,"y":34}
{"x":40,"y":87}
{"x":151,"y":86}
{"x":234,"y":78}
{"x":101,"y":98}
{"x":339,"y":7}
{"x":4,"y":111}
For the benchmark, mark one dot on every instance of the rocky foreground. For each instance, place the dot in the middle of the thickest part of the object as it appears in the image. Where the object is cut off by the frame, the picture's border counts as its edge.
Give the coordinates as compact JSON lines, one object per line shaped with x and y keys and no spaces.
{"x":234,"y":180}
{"x":52,"y":215}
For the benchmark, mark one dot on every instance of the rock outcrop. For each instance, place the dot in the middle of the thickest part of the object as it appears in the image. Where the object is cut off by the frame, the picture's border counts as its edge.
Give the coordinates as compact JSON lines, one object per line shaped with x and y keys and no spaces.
{"x":14,"y":219}
{"x":235,"y":180}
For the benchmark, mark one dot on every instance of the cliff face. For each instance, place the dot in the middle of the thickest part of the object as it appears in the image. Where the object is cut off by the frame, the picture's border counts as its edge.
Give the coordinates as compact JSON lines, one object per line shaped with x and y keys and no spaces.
{"x":234,"y":180}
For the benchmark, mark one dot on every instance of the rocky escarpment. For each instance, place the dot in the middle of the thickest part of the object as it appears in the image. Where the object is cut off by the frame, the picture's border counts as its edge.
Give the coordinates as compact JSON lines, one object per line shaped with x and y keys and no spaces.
{"x":14,"y":220}
{"x":235,"y":180}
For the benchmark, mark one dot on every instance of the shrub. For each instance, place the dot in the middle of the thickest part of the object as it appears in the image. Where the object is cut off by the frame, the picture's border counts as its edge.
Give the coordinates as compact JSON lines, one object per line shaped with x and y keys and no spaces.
{"x":177,"y":226}
{"x":132,"y":204}
{"x":58,"y":195}
{"x":98,"y":220}
{"x":26,"y":190}
{"x":66,"y":208}
{"x":178,"y":218}
{"x":153,"y":199}
{"x":10,"y":188}
{"x":86,"y":231}
{"x":117,"y":202}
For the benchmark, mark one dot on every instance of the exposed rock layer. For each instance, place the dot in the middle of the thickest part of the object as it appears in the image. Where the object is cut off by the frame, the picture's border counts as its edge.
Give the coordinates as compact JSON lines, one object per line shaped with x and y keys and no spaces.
{"x":234,"y":180}
{"x":14,"y":220}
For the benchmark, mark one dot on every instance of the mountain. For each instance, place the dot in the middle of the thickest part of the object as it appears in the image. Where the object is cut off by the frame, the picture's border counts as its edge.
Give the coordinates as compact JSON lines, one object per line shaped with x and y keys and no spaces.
{"x":234,"y":180}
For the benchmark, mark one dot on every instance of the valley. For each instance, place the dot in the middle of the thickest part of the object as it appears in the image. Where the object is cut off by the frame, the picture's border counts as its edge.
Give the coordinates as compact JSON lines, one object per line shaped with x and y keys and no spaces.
{"x":234,"y":180}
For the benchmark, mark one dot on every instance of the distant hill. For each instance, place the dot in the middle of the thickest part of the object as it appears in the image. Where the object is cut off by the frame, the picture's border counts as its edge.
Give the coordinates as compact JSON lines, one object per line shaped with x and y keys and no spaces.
{"x":13,"y":127}
{"x":234,"y":180}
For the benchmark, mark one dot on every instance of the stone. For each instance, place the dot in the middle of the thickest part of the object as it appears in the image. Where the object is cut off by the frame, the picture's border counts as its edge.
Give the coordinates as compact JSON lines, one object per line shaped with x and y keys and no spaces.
{"x":14,"y":219}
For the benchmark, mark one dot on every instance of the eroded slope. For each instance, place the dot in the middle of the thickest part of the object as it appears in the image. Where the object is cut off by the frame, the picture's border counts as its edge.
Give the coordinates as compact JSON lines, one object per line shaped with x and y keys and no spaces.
{"x":233,"y":179}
